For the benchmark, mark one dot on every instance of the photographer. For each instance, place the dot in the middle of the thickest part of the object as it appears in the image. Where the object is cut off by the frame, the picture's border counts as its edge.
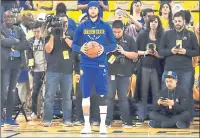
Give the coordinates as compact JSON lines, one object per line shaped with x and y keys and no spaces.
{"x":119,"y":69}
{"x":171,"y":108}
{"x":59,"y":69}
{"x":148,"y":43}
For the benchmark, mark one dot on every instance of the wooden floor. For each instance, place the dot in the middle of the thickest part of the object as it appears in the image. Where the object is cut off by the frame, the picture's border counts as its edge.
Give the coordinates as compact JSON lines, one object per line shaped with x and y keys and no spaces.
{"x":35,"y":129}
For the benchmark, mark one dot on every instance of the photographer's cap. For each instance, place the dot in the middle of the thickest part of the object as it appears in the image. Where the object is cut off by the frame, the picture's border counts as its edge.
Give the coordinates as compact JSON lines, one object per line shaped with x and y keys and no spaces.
{"x":171,"y":74}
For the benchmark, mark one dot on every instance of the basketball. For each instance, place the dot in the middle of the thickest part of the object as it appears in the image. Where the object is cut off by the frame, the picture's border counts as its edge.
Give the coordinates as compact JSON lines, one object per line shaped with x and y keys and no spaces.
{"x":93,"y":49}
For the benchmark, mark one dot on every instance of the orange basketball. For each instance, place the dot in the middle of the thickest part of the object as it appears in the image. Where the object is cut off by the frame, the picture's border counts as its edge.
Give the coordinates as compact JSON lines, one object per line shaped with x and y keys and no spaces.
{"x":93,"y":49}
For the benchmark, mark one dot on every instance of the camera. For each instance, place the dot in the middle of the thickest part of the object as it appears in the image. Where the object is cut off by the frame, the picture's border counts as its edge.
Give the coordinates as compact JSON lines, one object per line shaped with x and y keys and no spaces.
{"x":152,"y":47}
{"x":177,"y":47}
{"x":56,"y":23}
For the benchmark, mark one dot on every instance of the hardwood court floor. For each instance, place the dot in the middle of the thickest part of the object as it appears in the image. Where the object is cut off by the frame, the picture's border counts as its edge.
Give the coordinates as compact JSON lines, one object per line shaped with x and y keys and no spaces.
{"x":35,"y":129}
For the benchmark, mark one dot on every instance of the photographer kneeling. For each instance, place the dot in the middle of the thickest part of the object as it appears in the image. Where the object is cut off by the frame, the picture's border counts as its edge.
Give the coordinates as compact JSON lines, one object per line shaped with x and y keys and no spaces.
{"x":120,"y":70}
{"x":171,"y":108}
{"x":59,"y":69}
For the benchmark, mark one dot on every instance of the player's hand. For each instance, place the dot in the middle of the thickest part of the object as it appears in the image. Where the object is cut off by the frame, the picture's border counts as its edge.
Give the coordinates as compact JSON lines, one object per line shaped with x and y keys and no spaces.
{"x":101,"y":50}
{"x":77,"y":78}
{"x":84,"y":48}
{"x":182,"y":51}
{"x":174,"y":50}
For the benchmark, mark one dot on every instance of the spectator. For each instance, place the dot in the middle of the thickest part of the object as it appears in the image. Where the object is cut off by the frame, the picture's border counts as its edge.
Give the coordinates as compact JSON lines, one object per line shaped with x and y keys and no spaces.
{"x":133,"y":27}
{"x":37,"y":64}
{"x":171,"y":108}
{"x":28,"y":5}
{"x":119,"y":71}
{"x":188,"y":19}
{"x":196,"y":60}
{"x":165,"y":13}
{"x":16,"y":6}
{"x":148,"y":43}
{"x":135,"y":11}
{"x":146,"y":13}
{"x":13,"y":44}
{"x":23,"y":81}
{"x":83,"y":5}
{"x":61,"y":8}
{"x":178,"y":46}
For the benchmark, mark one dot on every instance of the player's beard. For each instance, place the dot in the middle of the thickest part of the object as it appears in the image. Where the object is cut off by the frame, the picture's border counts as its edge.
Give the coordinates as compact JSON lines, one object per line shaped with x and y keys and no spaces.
{"x":93,"y":16}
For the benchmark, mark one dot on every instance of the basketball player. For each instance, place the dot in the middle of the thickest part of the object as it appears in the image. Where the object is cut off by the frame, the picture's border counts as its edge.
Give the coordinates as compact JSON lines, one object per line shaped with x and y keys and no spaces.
{"x":94,"y":70}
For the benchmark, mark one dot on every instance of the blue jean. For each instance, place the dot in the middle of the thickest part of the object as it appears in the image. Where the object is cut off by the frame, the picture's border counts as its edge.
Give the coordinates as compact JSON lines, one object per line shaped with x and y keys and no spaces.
{"x":54,"y":79}
{"x":120,"y":84}
{"x":186,"y":81}
{"x":149,"y":77}
{"x":9,"y":79}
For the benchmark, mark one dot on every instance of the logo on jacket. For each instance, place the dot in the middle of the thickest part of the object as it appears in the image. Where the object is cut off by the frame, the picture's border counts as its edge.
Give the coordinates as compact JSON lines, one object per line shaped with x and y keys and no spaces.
{"x":93,"y":31}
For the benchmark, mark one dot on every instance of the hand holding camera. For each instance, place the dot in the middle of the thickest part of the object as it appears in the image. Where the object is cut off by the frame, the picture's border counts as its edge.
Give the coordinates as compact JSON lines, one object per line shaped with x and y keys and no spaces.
{"x":175,"y":50}
{"x":166,"y":102}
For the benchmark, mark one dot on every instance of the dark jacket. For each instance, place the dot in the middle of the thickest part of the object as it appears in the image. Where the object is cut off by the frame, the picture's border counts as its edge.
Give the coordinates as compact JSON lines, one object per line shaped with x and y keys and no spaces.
{"x":7,"y":43}
{"x":180,"y":98}
{"x":179,"y":62}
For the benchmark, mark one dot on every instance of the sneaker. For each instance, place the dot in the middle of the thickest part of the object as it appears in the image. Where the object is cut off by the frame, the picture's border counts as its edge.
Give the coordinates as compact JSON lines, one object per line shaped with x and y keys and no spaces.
{"x":68,"y":124}
{"x":78,"y":123}
{"x":33,"y":116}
{"x":181,"y":125}
{"x":103,"y":129}
{"x":108,"y":125}
{"x":95,"y":123}
{"x":2,"y":123}
{"x":46,"y":124}
{"x":126,"y":126}
{"x":86,"y":130}
{"x":11,"y":122}
{"x":154,"y":124}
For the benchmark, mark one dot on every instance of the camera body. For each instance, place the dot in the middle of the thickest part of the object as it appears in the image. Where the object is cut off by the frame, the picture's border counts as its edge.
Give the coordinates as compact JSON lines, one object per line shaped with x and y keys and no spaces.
{"x":56,"y":23}
{"x":152,"y":47}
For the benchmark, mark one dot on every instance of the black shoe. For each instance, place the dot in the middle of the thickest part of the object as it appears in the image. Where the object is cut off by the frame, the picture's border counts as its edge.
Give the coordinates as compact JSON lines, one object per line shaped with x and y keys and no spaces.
{"x":182,"y":125}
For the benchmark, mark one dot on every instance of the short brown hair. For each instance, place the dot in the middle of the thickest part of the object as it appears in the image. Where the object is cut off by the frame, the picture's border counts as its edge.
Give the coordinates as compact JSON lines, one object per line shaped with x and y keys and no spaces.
{"x":179,"y":14}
